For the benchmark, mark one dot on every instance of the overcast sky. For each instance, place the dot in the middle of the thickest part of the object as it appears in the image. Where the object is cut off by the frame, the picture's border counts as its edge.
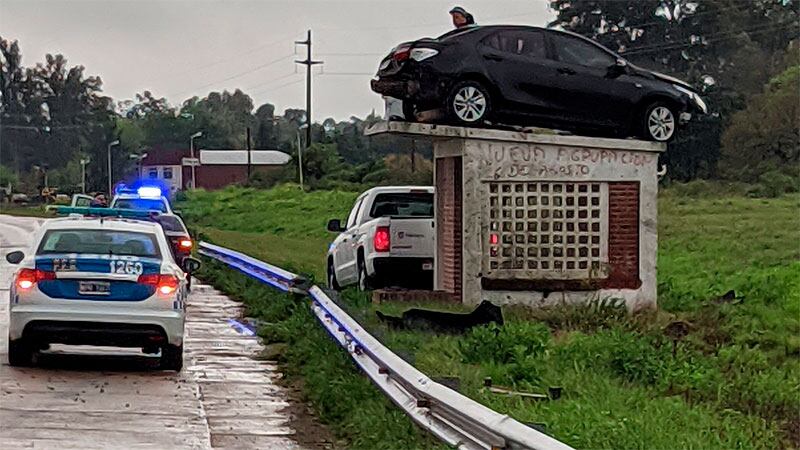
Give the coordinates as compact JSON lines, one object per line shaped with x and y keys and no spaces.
{"x":178,"y":49}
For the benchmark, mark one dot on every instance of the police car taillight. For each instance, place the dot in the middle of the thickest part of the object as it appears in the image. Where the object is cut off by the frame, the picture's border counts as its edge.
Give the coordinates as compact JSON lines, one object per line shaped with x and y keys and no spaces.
{"x":164,"y":284}
{"x":185,"y":243}
{"x":26,"y":278}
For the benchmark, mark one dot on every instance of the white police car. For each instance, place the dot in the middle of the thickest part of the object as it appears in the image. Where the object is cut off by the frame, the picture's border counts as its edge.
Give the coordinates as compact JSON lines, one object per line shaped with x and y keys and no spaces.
{"x":141,"y":198}
{"x":104,"y":281}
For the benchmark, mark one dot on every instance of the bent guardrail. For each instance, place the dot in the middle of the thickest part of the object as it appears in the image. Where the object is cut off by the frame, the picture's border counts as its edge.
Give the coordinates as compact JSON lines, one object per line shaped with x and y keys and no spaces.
{"x":449,"y":415}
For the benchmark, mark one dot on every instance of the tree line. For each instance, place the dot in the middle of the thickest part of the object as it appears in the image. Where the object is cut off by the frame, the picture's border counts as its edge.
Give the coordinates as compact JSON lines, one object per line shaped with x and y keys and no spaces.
{"x":744,"y":56}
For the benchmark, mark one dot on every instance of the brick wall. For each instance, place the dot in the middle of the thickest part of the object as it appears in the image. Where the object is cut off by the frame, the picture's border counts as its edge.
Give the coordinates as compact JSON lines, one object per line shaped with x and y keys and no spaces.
{"x":449,"y":229}
{"x":623,"y":236}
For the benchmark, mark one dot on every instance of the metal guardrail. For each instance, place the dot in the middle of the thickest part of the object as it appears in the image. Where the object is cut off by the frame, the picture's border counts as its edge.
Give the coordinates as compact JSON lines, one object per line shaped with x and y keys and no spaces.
{"x":449,"y":415}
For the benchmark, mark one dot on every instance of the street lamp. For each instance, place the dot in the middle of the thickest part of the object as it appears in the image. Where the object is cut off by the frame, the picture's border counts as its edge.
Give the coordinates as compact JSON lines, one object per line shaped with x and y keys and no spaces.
{"x":84,"y":162}
{"x":300,"y":153}
{"x":191,"y":150}
{"x":138,"y":157}
{"x":110,"y":144}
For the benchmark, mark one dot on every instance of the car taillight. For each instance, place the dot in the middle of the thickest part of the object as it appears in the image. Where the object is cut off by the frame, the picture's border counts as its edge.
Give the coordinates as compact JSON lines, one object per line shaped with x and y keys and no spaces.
{"x":381,"y":241}
{"x":401,"y":54}
{"x":26,"y":278}
{"x":185,"y":243}
{"x":164,"y":284}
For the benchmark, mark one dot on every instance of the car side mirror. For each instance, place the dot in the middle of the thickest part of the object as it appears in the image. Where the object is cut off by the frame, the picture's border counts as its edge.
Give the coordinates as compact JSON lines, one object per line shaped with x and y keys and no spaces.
{"x":15,"y":257}
{"x":190,"y":265}
{"x":619,"y":67}
{"x":335,"y":226}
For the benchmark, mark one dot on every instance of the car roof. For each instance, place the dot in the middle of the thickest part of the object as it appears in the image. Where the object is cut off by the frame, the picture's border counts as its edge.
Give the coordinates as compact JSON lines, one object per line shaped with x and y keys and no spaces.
{"x":397,"y":190}
{"x":105,"y":223}
{"x":489,"y":28}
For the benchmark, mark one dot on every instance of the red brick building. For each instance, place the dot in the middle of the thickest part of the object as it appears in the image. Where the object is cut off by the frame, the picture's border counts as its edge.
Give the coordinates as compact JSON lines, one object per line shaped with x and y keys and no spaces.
{"x":213,"y":169}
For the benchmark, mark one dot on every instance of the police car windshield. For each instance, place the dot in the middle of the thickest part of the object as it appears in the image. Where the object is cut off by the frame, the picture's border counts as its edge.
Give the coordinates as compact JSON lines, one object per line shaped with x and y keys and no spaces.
{"x":102,"y":242}
{"x":140,"y":203}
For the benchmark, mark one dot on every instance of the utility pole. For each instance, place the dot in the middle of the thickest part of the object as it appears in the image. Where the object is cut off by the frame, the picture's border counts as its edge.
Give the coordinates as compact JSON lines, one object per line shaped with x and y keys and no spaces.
{"x":249,"y":161}
{"x":84,"y":162}
{"x":308,"y":63}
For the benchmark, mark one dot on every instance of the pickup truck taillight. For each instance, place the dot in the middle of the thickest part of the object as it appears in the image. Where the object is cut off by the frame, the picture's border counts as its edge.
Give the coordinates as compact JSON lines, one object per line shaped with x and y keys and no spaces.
{"x":26,"y":278}
{"x":381,"y":241}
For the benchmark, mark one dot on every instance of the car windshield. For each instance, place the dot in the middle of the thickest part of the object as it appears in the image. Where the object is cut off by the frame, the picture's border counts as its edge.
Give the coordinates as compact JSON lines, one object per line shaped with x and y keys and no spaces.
{"x":403,"y":205}
{"x":171,"y":223}
{"x":140,"y":203}
{"x":103,"y":242}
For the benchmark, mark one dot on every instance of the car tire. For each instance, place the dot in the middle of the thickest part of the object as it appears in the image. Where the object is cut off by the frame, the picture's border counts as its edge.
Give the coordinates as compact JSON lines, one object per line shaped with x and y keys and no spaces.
{"x":659,"y":122}
{"x":364,"y":281}
{"x":171,"y":357}
{"x":20,"y":353}
{"x":409,"y":111}
{"x":332,"y":282}
{"x":469,"y":103}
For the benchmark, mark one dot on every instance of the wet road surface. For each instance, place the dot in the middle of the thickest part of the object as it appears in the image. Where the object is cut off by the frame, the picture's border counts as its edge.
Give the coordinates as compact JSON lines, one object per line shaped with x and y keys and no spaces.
{"x":115,"y":398}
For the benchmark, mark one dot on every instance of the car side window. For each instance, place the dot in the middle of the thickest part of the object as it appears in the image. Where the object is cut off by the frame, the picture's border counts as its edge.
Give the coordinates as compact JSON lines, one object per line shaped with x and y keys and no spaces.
{"x":523,"y":43}
{"x":351,"y":219}
{"x":572,"y":50}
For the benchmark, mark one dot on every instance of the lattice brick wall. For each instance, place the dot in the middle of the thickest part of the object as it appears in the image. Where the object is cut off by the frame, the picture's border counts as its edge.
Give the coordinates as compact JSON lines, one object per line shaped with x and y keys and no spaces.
{"x":546,"y":230}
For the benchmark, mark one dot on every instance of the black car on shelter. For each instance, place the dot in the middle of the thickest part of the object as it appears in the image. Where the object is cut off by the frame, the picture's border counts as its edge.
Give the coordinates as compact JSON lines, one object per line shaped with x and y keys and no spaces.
{"x":520,"y":75}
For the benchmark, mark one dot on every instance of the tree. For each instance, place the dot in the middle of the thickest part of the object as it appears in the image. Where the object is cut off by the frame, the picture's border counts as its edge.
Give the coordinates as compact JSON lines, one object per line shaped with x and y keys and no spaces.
{"x":765,"y":136}
{"x":729,"y":45}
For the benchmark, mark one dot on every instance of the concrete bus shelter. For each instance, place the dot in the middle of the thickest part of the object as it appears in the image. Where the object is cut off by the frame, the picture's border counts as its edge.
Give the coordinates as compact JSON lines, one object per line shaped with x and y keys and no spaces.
{"x":540,"y":219}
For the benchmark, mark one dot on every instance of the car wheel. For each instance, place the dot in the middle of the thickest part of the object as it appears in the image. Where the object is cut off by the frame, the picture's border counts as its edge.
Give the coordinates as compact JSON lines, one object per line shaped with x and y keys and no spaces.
{"x":20,"y":353}
{"x":659,"y":122}
{"x":332,"y":283}
{"x":171,"y":357}
{"x":409,"y":111}
{"x":469,"y":103}
{"x":364,"y":282}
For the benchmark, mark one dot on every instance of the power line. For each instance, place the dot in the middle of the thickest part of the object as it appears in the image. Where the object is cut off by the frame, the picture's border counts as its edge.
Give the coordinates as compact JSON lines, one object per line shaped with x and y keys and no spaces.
{"x":715,"y":37}
{"x":238,"y":75}
{"x":262,"y":84}
{"x":277,"y":88}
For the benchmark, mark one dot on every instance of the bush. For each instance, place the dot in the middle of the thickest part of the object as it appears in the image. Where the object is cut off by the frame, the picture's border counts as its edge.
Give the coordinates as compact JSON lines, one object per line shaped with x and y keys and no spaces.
{"x":774,"y":184}
{"x":515,"y":345}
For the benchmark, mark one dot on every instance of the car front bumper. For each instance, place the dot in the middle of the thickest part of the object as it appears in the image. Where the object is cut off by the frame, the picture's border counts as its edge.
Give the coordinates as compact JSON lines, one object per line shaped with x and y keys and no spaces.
{"x":119,"y":327}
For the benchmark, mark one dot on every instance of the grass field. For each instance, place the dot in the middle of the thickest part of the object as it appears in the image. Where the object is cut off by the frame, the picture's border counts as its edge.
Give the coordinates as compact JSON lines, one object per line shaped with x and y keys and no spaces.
{"x":732,"y":382}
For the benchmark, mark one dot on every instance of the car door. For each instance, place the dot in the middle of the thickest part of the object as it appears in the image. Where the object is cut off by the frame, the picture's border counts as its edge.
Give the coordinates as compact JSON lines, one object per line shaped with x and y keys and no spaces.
{"x":592,"y":90}
{"x":517,"y":63}
{"x":344,"y":253}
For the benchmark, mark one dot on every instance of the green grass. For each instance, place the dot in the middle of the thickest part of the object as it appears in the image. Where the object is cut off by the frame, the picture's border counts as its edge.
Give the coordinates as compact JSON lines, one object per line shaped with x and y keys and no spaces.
{"x":733,"y":382}
{"x":25,"y":211}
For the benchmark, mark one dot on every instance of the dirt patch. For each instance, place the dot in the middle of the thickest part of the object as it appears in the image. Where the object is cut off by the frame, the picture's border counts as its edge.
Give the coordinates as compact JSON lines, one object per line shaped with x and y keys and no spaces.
{"x":791,"y":430}
{"x":311,"y":434}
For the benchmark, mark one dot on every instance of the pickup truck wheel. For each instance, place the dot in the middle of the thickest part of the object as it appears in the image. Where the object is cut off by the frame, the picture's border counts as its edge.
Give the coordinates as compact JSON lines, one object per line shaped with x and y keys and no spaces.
{"x":364,"y":282}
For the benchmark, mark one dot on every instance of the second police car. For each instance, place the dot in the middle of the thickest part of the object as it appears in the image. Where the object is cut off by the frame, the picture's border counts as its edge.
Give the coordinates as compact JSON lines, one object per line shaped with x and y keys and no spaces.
{"x":106,"y":279}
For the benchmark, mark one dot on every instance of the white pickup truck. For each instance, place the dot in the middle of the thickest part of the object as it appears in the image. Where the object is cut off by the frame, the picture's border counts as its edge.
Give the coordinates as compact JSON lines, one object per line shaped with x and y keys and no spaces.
{"x":388,"y":240}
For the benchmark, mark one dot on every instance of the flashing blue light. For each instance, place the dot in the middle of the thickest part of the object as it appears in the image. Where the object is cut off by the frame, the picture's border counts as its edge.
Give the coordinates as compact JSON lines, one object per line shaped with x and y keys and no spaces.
{"x":149,"y":192}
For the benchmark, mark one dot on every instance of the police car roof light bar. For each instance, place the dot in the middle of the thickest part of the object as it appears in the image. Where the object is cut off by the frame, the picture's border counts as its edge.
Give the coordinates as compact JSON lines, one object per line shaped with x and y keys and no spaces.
{"x":105,"y":212}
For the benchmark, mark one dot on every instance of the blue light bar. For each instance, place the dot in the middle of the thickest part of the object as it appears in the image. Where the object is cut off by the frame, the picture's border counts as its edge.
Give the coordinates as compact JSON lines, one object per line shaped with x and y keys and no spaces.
{"x":149,"y":192}
{"x":105,"y":212}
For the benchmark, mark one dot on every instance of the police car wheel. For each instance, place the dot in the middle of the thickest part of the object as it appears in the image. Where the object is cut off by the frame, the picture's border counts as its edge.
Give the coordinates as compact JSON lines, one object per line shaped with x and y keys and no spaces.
{"x":171,"y":357}
{"x":20,"y":353}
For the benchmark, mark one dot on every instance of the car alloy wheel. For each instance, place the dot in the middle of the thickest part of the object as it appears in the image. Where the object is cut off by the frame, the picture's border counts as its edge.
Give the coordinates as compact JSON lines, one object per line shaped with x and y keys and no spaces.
{"x":660,"y":123}
{"x":469,"y":104}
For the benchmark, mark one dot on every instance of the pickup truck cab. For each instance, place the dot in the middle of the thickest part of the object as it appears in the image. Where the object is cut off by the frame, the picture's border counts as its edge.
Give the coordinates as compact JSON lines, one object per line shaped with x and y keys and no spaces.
{"x":388,"y":240}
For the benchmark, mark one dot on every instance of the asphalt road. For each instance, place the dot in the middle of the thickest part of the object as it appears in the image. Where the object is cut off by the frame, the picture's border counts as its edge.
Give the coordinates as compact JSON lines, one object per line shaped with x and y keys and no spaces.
{"x":75,"y":398}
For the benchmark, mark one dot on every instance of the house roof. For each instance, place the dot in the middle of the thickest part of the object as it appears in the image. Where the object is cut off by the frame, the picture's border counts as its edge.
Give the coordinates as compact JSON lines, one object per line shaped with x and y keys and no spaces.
{"x":164,"y":157}
{"x":239,"y":157}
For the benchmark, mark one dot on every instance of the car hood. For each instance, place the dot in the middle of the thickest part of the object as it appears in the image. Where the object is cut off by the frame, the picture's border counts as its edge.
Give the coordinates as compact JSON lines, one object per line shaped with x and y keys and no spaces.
{"x":669,"y":79}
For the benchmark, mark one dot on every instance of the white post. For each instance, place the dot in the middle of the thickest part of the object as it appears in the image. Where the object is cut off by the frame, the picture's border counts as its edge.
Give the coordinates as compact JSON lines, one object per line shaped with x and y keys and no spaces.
{"x":111,"y":144}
